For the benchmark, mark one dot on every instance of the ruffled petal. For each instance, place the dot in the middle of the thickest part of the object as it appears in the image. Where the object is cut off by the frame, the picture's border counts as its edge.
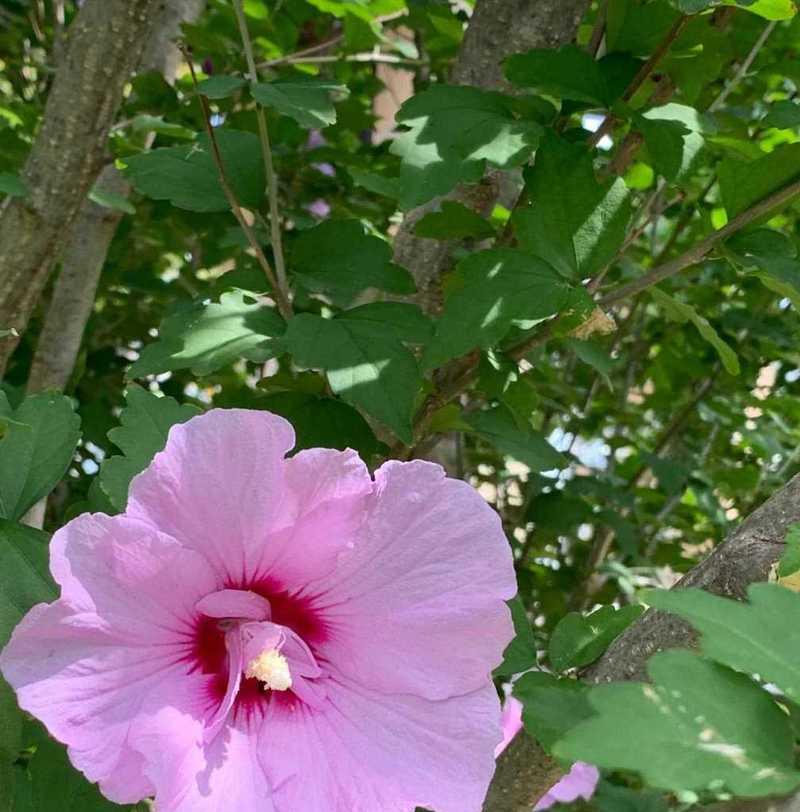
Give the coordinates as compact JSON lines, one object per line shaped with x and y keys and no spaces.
{"x":366,"y":751}
{"x":325,"y":503}
{"x":217,"y":487}
{"x":418,"y":605}
{"x":142,"y":583}
{"x":88,"y":686}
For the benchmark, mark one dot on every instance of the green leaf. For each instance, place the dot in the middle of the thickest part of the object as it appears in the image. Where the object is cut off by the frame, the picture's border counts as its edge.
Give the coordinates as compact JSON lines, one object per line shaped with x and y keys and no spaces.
{"x":37,"y":443}
{"x":743,"y":183}
{"x":498,"y":427}
{"x":575,"y":223}
{"x":144,"y":123}
{"x":376,"y":183}
{"x":577,"y":640}
{"x":595,"y":355}
{"x":520,"y":653}
{"x":770,"y":9}
{"x":12,"y":185}
{"x":698,"y":726}
{"x":790,"y":560}
{"x":308,"y":101}
{"x":406,"y":321}
{"x":339,"y":258}
{"x":145,"y":423}
{"x":500,"y":288}
{"x":761,"y":636}
{"x":785,"y":115}
{"x":220,"y":87}
{"x":369,"y":369}
{"x":681,"y":312}
{"x":24,"y":581}
{"x":111,"y":200}
{"x":453,"y":222}
{"x":551,"y":706}
{"x":611,"y":798}
{"x":207,"y":336}
{"x":187,"y":176}
{"x":453,"y":131}
{"x":321,"y":422}
{"x":674,"y":137}
{"x":774,"y":255}
{"x":50,"y":782}
{"x":571,"y":73}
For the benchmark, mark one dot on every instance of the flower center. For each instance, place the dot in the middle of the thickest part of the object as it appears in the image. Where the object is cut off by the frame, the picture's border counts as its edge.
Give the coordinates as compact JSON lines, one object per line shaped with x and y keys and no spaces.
{"x":271,"y":668}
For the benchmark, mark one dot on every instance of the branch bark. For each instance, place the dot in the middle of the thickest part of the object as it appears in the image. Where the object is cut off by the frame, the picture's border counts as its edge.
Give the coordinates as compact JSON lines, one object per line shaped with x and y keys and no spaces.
{"x":90,"y":237}
{"x":101,"y":49}
{"x":745,"y":557}
{"x":498,"y":28}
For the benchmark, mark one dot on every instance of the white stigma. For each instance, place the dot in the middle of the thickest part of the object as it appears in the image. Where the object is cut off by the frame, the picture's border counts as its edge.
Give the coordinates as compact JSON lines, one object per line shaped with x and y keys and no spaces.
{"x":271,"y":668}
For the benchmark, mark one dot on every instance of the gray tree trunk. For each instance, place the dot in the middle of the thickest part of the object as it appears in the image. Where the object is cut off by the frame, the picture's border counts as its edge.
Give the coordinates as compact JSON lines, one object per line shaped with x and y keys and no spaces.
{"x":85,"y":252}
{"x":100,"y":50}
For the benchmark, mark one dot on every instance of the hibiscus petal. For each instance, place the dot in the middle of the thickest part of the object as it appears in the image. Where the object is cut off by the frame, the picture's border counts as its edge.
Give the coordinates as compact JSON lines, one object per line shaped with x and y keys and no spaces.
{"x":217,"y":486}
{"x":87,"y":685}
{"x":367,"y":751}
{"x":142,"y":583}
{"x":418,"y":605}
{"x":326,"y":495}
{"x":235,"y":603}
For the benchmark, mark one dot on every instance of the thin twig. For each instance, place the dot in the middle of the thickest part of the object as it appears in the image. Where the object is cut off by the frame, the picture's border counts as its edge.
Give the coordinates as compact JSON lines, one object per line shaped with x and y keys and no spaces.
{"x":368,"y":56}
{"x":698,"y":251}
{"x":599,"y":30}
{"x":282,"y":302}
{"x":298,"y":55}
{"x":743,"y":68}
{"x":266,"y":152}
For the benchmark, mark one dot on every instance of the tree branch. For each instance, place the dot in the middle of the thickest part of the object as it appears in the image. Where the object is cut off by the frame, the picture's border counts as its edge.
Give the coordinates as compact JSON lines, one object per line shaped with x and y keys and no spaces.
{"x":101,"y":49}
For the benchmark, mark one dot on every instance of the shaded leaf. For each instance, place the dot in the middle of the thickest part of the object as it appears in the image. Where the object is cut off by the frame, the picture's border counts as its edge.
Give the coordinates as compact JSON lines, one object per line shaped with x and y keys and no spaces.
{"x":37,"y":443}
{"x":187,"y":176}
{"x":209,"y":335}
{"x":453,"y":222}
{"x":501,"y":287}
{"x":371,"y":370}
{"x":575,"y":223}
{"x":520,"y":654}
{"x":674,"y":137}
{"x":578,"y":640}
{"x":308,"y":101}
{"x":406,"y":321}
{"x":12,"y":185}
{"x":220,"y":87}
{"x":145,"y":423}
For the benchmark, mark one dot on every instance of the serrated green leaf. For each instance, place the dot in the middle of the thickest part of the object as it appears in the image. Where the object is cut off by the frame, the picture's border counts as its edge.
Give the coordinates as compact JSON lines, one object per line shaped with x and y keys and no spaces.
{"x":111,"y":200}
{"x":369,"y":369}
{"x":144,"y":123}
{"x":145,"y":423}
{"x":575,"y":223}
{"x":501,"y":287}
{"x":784,"y":115}
{"x":339,"y":258}
{"x":760,"y":636}
{"x":578,"y":640}
{"x":551,"y":706}
{"x":24,"y":581}
{"x":790,"y":560}
{"x":774,"y":255}
{"x":321,"y":422}
{"x":12,"y":185}
{"x":376,"y":183}
{"x":220,"y":87}
{"x":406,"y":321}
{"x":697,"y":726}
{"x":770,"y":9}
{"x":453,"y":131}
{"x":207,"y":336}
{"x":37,"y":444}
{"x":674,"y":136}
{"x":682,"y":312}
{"x":571,"y":73}
{"x":454,"y":221}
{"x":498,"y":427}
{"x":187,"y":176}
{"x":308,"y":101}
{"x":744,"y":183}
{"x":520,"y":654}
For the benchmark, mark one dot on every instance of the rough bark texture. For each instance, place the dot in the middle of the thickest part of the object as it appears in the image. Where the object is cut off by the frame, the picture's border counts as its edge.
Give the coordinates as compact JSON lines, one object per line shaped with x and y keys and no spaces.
{"x":498,"y":28}
{"x":85,"y":253}
{"x":101,"y":49}
{"x":745,"y":557}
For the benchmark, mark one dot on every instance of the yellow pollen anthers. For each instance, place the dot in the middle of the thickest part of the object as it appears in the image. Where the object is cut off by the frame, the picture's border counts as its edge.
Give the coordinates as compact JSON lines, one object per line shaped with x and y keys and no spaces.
{"x":271,"y":668}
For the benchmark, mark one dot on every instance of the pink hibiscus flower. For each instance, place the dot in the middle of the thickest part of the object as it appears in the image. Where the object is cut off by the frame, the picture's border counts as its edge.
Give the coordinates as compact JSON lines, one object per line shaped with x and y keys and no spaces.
{"x":272,"y":634}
